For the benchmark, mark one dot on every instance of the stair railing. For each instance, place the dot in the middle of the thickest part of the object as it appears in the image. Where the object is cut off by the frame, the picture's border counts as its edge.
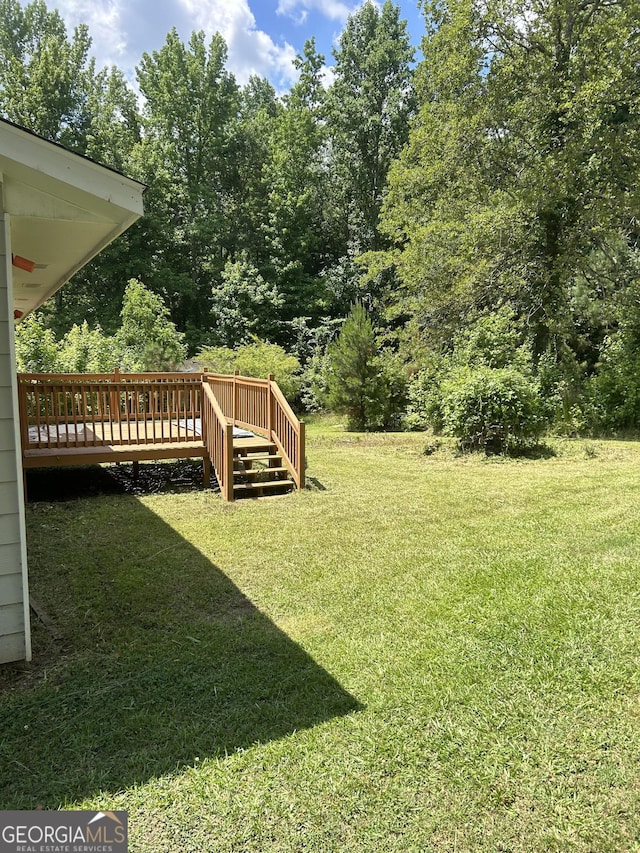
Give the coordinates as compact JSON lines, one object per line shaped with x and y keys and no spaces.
{"x":287,"y":433}
{"x":217,"y":434}
{"x":259,"y":405}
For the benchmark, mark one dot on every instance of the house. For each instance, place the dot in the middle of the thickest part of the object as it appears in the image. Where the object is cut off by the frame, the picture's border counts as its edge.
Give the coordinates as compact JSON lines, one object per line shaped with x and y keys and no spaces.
{"x":58,"y":210}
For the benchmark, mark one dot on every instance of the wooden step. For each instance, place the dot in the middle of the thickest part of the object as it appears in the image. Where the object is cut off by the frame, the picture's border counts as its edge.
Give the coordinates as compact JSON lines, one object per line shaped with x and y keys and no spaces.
{"x":253,"y":472}
{"x":260,"y":488}
{"x":262,"y":457}
{"x":242,"y":446}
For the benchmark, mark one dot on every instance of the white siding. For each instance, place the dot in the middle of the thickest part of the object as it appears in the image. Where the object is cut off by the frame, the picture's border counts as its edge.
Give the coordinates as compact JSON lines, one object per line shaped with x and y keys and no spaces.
{"x":8,"y":497}
{"x":12,"y":620}
{"x":6,"y":397}
{"x":12,"y":647}
{"x":14,"y":613}
{"x":9,"y":532}
{"x":7,"y":466}
{"x":11,"y":589}
{"x":7,"y":435}
{"x":9,"y":557}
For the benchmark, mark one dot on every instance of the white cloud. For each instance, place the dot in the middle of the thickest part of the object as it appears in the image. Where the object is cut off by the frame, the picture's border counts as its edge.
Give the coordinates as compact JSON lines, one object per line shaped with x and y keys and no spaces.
{"x":251,"y":51}
{"x":122,"y":29}
{"x":105,"y":22}
{"x":335,"y":10}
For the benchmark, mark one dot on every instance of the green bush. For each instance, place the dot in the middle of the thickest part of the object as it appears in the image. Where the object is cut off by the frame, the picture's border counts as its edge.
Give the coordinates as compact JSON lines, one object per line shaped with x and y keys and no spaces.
{"x":424,"y":397}
{"x":491,"y":409}
{"x":493,"y":340}
{"x":85,"y":350}
{"x":37,"y":350}
{"x":314,"y":392}
{"x":614,"y":392}
{"x":257,"y":359}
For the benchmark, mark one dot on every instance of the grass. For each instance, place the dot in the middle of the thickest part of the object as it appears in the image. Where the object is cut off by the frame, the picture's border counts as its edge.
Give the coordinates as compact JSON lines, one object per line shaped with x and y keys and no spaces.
{"x":417,"y":653}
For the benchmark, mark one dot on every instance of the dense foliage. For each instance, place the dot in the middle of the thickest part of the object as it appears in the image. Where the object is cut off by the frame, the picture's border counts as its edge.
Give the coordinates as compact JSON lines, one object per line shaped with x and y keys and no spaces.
{"x":489,"y":194}
{"x":519,"y":186}
{"x":146,"y":340}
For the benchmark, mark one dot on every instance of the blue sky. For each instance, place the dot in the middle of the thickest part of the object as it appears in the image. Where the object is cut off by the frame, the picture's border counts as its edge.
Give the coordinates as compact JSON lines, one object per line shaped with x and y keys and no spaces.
{"x":263,"y":36}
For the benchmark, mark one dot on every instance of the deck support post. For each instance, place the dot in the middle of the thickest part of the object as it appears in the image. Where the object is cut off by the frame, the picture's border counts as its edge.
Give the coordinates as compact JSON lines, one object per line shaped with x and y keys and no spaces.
{"x":228,"y":462}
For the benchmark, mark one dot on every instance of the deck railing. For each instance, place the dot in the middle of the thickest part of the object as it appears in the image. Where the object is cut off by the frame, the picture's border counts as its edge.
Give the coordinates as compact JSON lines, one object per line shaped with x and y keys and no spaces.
{"x":288,"y":434}
{"x":95,"y":410}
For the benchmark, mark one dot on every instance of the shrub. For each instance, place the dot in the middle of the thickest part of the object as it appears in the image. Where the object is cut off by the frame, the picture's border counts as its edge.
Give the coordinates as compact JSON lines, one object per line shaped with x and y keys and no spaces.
{"x":257,"y":359}
{"x":614,"y":392}
{"x":493,"y":340}
{"x":491,"y":409}
{"x":85,"y":350}
{"x":424,"y":396}
{"x":37,"y":350}
{"x":314,"y":392}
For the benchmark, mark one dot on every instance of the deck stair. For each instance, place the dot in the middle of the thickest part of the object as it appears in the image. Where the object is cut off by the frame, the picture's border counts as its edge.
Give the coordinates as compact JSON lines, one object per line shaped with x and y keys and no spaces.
{"x":258,"y":469}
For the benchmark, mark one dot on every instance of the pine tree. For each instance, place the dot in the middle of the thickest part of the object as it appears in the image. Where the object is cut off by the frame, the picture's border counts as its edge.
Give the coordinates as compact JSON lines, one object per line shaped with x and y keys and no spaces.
{"x":354,"y":380}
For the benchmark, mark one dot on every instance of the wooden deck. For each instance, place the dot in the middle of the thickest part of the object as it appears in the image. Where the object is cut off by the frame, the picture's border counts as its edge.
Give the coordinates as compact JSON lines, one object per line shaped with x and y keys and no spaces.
{"x":82,"y":419}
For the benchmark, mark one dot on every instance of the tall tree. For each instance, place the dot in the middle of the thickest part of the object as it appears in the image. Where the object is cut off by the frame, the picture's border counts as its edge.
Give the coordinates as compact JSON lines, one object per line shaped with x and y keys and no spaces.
{"x":45,"y":76}
{"x":191,"y":105}
{"x":297,"y":183}
{"x":249,"y":153}
{"x":519,"y":182}
{"x":48,"y":83}
{"x":368,"y":107}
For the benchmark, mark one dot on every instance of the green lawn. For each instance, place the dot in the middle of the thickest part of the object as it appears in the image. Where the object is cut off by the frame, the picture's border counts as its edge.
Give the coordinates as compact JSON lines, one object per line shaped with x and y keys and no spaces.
{"x":417,"y":653}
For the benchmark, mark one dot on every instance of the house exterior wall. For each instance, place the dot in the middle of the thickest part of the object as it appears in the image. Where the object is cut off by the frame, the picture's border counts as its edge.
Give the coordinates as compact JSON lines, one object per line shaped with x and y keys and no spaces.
{"x":14,"y":595}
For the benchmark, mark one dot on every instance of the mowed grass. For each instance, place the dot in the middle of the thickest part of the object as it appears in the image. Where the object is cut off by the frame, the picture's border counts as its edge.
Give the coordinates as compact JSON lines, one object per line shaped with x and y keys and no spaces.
{"x":417,"y":653}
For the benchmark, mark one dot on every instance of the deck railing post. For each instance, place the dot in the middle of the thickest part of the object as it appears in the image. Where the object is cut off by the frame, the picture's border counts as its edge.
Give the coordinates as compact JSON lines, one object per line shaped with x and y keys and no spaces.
{"x":228,"y":462}
{"x":270,"y":380}
{"x":234,"y":390}
{"x":302,"y":456}
{"x":115,"y":396}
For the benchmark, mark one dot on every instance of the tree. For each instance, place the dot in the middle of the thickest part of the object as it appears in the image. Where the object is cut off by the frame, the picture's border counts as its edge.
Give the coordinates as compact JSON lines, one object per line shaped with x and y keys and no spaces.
{"x":36,"y":346}
{"x":191,"y":106}
{"x":49,"y":84}
{"x":362,"y":383}
{"x":519,"y":182}
{"x":147,"y":339}
{"x":368,"y":108}
{"x":86,"y":350}
{"x":244,"y":305}
{"x":249,"y":152}
{"x":295,"y":175}
{"x":44,"y":76}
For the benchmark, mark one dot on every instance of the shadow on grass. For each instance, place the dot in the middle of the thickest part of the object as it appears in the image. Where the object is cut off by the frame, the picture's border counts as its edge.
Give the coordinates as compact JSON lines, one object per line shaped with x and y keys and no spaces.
{"x":165,"y":662}
{"x":536,"y":451}
{"x":314,"y":484}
